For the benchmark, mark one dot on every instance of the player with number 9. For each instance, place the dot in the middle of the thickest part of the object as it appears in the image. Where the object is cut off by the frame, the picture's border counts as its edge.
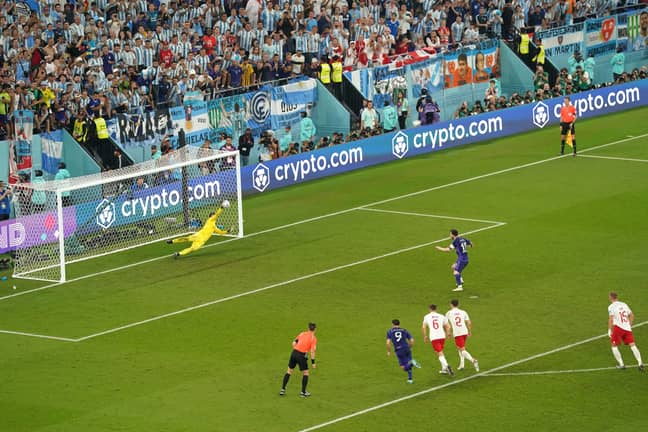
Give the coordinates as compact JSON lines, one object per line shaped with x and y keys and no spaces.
{"x":402,"y":341}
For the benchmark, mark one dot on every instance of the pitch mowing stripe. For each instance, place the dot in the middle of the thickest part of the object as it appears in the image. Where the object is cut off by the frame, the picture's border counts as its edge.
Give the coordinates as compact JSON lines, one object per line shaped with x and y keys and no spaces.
{"x":615,"y":158}
{"x":459,"y":381}
{"x":281,"y":227}
{"x":279,"y":284}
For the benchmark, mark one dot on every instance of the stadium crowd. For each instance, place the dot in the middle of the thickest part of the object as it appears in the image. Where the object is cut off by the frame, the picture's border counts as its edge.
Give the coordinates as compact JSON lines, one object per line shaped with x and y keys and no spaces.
{"x":124,"y":55}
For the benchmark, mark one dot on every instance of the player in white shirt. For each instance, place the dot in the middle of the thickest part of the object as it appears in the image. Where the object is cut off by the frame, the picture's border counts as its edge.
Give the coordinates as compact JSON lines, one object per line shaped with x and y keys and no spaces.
{"x":461,"y":330}
{"x":620,"y":318}
{"x":436,"y":329}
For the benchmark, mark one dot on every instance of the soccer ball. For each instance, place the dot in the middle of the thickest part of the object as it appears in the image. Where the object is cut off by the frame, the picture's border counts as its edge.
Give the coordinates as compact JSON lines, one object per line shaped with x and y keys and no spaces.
{"x":225,"y":204}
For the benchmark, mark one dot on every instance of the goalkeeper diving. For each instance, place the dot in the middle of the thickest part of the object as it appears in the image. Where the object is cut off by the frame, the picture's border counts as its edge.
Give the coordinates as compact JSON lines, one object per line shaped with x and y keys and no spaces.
{"x":199,"y":238}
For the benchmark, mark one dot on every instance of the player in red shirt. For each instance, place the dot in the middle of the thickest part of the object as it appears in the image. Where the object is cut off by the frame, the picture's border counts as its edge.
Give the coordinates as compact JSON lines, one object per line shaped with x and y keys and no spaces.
{"x":567,"y":120}
{"x":304,"y":343}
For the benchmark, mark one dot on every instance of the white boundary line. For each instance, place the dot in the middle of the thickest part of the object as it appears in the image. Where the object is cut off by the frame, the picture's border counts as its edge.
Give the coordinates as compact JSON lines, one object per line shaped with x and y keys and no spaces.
{"x":455,"y":382}
{"x":278,"y":284}
{"x":550,"y":372}
{"x":429,"y":215}
{"x":35,"y":335}
{"x":324,"y":216}
{"x":616,"y":158}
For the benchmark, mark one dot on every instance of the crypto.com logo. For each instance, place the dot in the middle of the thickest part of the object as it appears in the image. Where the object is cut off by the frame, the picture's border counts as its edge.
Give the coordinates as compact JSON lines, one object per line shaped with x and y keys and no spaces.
{"x":400,"y":144}
{"x":261,"y":177}
{"x":106,"y":215}
{"x":540,"y":114}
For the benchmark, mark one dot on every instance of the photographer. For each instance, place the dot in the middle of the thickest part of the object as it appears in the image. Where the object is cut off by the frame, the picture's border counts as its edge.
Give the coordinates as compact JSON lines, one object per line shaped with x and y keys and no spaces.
{"x":293,"y":149}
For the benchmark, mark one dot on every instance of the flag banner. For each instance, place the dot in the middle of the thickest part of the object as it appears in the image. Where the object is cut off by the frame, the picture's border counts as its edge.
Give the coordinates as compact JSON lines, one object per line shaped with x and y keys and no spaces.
{"x":24,"y":127}
{"x":192,"y":97}
{"x":562,"y":40}
{"x":259,"y":109}
{"x":52,"y":150}
{"x":388,"y":82}
{"x":227,"y":115}
{"x":193,"y":120}
{"x":637,"y":30}
{"x":139,"y":129}
{"x":297,"y":93}
{"x":471,"y":66}
{"x":267,"y":108}
{"x":427,"y":74}
{"x":600,"y":36}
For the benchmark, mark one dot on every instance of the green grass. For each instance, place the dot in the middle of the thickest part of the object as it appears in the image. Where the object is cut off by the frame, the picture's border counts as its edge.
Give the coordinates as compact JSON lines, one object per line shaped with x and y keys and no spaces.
{"x":575,"y":229}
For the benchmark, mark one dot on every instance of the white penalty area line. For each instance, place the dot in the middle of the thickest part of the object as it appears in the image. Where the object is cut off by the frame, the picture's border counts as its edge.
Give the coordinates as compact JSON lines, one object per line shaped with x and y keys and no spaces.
{"x":251,"y":292}
{"x":616,"y":158}
{"x":431,"y":216}
{"x":489,"y":372}
{"x":324,"y":216}
{"x":40,"y":336}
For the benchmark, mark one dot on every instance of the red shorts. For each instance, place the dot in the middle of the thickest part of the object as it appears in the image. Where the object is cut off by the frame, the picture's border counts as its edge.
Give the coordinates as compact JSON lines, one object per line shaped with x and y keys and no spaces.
{"x":460,"y":341}
{"x":618,"y":335}
{"x":437,"y":344}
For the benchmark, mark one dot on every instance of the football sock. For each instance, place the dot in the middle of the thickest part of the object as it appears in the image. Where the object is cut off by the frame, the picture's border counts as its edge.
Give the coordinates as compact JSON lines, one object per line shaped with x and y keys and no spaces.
{"x":562,"y":146}
{"x":458,"y":279}
{"x":409,"y":373}
{"x":461,"y":360}
{"x":304,"y":383}
{"x":617,"y":355}
{"x":444,"y":363}
{"x":285,"y":380}
{"x":574,"y":144}
{"x":467,"y":356}
{"x":636,"y":353}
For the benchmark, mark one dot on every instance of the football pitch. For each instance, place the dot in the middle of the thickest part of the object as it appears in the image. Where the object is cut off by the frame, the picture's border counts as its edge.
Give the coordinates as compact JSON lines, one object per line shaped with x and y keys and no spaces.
{"x":139,"y":341}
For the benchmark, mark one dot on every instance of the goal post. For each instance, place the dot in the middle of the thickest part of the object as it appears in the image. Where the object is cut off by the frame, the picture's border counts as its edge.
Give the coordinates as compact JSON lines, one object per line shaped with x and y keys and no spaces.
{"x":87,"y":217}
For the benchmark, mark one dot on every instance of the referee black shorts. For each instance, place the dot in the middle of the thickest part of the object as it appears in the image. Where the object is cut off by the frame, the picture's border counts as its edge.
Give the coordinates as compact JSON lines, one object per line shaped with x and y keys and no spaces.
{"x":298,"y":358}
{"x":565,"y":127}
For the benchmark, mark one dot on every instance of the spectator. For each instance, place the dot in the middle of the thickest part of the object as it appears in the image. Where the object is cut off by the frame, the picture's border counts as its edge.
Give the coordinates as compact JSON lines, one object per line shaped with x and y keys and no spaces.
{"x":5,"y":201}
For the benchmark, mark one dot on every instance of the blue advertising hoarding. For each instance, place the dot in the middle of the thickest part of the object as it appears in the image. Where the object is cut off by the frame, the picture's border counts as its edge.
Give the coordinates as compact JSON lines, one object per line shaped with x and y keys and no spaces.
{"x":132,"y":206}
{"x":426,"y":139}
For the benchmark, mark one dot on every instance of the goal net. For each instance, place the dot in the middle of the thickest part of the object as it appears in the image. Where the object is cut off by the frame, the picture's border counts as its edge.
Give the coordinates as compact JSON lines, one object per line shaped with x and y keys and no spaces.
{"x":86,"y":217}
